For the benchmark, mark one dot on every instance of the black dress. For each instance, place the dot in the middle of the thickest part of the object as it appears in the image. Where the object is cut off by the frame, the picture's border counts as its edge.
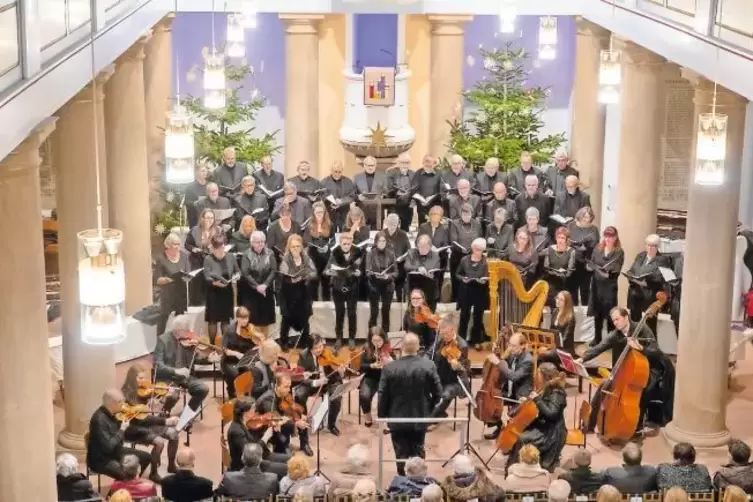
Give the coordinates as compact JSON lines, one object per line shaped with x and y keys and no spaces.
{"x":603,"y":297}
{"x":319,"y":247}
{"x":558,"y":267}
{"x":172,"y":297}
{"x":295,"y":297}
{"x":194,"y":240}
{"x":258,"y":269}
{"x":583,"y":240}
{"x":219,"y":307}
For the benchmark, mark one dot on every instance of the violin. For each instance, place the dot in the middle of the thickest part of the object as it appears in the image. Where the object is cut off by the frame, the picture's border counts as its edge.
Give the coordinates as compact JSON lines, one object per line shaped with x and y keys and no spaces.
{"x":425,"y":316}
{"x":451,"y":351}
{"x":192,"y":341}
{"x":291,"y":409}
{"x":133,"y":412}
{"x":385,"y":354}
{"x":249,"y":333}
{"x":328,"y":358}
{"x":296,"y":374}
{"x":149,"y":389}
{"x":270,"y":419}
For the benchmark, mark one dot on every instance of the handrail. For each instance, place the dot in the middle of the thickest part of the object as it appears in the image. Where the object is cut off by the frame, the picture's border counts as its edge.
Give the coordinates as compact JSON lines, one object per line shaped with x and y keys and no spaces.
{"x":727,"y":47}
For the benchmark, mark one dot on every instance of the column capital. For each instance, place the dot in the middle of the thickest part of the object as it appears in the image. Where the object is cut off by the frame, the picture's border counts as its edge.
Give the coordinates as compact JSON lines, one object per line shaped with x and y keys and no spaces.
{"x":449,"y":24}
{"x":705,"y":89}
{"x":586,"y":27}
{"x":86,"y":95}
{"x":165,"y":24}
{"x":301,"y":24}
{"x":26,"y":154}
{"x":635,"y":54}
{"x":137,"y":51}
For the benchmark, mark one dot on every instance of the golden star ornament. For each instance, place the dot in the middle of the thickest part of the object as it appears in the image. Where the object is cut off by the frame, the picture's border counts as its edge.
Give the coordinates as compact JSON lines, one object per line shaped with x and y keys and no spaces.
{"x":379,"y":136}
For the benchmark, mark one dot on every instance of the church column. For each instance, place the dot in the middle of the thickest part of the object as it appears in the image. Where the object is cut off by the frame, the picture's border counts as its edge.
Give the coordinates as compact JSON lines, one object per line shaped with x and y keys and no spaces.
{"x":27,"y":432}
{"x":642,"y":112}
{"x":127,"y":172}
{"x":88,"y":369}
{"x":587,"y":136}
{"x":158,"y":65}
{"x":447,"y":57}
{"x":302,"y":90}
{"x":700,"y":405}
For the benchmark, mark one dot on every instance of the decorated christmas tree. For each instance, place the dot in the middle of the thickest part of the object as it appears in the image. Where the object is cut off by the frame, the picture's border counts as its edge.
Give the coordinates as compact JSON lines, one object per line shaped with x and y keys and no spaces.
{"x":506,"y":119}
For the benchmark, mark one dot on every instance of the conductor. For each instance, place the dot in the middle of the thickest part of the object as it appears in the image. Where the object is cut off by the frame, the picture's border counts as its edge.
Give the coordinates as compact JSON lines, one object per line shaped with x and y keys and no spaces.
{"x":409,"y":388}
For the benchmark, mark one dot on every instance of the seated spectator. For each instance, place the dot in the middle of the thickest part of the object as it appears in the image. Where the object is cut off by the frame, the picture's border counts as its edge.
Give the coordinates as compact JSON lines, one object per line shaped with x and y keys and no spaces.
{"x":684,"y":472}
{"x":608,"y":493}
{"x":467,"y":482}
{"x":120,"y":496}
{"x":676,"y":494}
{"x":739,"y":471}
{"x":365,"y":490}
{"x":414,"y":481}
{"x":356,"y":468}
{"x":582,"y":480}
{"x":184,"y":485}
{"x":432,"y":493}
{"x":558,"y":491}
{"x":72,"y":485}
{"x":304,"y":494}
{"x":527,"y":475}
{"x":137,"y":487}
{"x":299,"y":476}
{"x":734,"y":493}
{"x":250,"y":483}
{"x":632,"y":477}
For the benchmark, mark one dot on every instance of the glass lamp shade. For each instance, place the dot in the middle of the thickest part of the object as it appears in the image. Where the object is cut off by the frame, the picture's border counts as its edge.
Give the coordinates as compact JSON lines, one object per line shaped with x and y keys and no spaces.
{"x":101,"y":286}
{"x":179,"y":147}
{"x":547,"y":37}
{"x":235,"y":37}
{"x":507,"y":15}
{"x":711,"y":149}
{"x":610,"y":76}
{"x":214,"y":81}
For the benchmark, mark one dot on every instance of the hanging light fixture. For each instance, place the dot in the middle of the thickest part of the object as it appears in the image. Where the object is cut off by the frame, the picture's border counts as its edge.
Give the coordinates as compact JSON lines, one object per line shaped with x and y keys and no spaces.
{"x":249,"y":14}
{"x":179,"y":142}
{"x":610,"y":76}
{"x":235,"y":37}
{"x":711,"y":148}
{"x":547,"y":38}
{"x":101,"y":272}
{"x":214,"y":76}
{"x":507,"y":15}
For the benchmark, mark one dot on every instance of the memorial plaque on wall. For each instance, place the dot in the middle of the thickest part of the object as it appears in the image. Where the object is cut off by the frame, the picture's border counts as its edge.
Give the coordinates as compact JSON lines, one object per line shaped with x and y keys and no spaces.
{"x":676,"y":146}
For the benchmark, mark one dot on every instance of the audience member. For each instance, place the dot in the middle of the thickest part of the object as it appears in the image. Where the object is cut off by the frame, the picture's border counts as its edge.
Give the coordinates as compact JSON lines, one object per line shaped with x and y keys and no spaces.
{"x":415,"y":479}
{"x":137,"y":487}
{"x":468,"y":483}
{"x":632,"y":477}
{"x":365,"y":490}
{"x":738,"y":471}
{"x":432,"y":493}
{"x":558,"y":491}
{"x":304,"y":494}
{"x":250,"y":483}
{"x":299,"y":476}
{"x":734,"y":493}
{"x":121,"y":496}
{"x":527,"y":475}
{"x":356,"y":469}
{"x":581,"y":478}
{"x":608,"y":493}
{"x":72,"y":485}
{"x":684,"y":472}
{"x":676,"y":494}
{"x":184,"y":485}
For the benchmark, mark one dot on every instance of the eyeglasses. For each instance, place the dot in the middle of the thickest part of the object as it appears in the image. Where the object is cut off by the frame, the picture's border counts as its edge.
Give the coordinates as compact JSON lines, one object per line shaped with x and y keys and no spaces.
{"x":417,"y":298}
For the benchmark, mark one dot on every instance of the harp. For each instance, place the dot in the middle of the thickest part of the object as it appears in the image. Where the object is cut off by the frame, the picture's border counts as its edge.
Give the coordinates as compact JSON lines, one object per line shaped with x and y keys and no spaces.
{"x":510,"y":302}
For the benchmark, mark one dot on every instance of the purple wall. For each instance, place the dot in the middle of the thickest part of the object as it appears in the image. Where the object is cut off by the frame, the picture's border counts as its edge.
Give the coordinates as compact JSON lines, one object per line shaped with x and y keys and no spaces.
{"x":265,"y":52}
{"x":557,"y":75}
{"x":374,"y":40}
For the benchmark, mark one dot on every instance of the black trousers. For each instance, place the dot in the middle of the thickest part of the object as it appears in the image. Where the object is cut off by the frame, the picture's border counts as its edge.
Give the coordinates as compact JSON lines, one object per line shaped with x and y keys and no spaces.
{"x":472,"y":308}
{"x":285,"y":327}
{"x":197,"y":390}
{"x":320,"y":262}
{"x":113,"y":468}
{"x":380,"y":291}
{"x":345,"y":301}
{"x":400,"y":282}
{"x":366,"y":393}
{"x":405,"y":213}
{"x":303,"y":393}
{"x":230,"y":372}
{"x":579,"y":284}
{"x":407,"y":444}
{"x":455,"y":258}
{"x":449,"y":392}
{"x":167,"y":306}
{"x":276,"y":463}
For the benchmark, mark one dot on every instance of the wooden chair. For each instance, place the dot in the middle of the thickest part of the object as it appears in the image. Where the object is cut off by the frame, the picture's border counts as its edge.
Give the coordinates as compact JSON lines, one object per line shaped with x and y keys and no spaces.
{"x":703,"y":496}
{"x":225,"y":458}
{"x":577,"y":436}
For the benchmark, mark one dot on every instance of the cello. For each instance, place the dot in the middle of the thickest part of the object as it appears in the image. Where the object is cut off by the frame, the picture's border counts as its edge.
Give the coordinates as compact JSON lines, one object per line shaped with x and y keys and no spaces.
{"x":620,"y":409}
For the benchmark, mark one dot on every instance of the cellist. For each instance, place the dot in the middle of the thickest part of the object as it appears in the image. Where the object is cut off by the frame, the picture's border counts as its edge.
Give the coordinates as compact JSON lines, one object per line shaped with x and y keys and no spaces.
{"x":516,"y":373}
{"x":661,"y":377}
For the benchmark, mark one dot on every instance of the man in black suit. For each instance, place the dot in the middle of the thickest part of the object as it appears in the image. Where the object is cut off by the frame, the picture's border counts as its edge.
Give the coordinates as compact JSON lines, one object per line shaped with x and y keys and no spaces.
{"x":320,"y":376}
{"x":632,"y":477}
{"x":516,"y":373}
{"x":583,"y":481}
{"x":250,"y":483}
{"x":184,"y":485}
{"x":409,"y":388}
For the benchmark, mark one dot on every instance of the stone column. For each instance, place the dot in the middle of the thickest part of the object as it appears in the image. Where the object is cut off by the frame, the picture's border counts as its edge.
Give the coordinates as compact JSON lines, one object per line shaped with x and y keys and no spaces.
{"x":27,"y":431}
{"x":127,"y":172}
{"x":642,"y":112}
{"x":447,"y":58}
{"x":158,"y":65}
{"x":302,"y":90}
{"x":587,"y":136}
{"x":87,"y":369}
{"x":700,"y":406}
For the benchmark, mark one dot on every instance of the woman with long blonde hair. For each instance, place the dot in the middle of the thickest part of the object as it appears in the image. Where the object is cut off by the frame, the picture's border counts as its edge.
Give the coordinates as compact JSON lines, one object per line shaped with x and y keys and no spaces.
{"x":355,"y":224}
{"x":296,"y":271}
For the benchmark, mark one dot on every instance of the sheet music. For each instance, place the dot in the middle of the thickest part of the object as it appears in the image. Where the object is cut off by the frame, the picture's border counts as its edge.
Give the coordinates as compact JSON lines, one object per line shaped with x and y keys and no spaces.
{"x":571,"y":365}
{"x":668,"y":274}
{"x":564,"y":220}
{"x":223,"y":214}
{"x":258,"y":210}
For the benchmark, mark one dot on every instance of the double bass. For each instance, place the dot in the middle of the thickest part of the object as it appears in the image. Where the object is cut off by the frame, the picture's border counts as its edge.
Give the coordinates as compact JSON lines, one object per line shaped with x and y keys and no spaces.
{"x":489,"y":398}
{"x":620,"y":410}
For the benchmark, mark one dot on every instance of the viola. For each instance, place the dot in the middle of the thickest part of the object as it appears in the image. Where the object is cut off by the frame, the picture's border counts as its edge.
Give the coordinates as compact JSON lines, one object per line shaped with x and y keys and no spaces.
{"x":258,"y":421}
{"x":192,"y":341}
{"x":133,"y":412}
{"x":291,"y":409}
{"x":329,"y":359}
{"x":451,"y":351}
{"x":149,"y":389}
{"x":249,"y":333}
{"x":296,"y":374}
{"x":385,"y":354}
{"x":426,"y":316}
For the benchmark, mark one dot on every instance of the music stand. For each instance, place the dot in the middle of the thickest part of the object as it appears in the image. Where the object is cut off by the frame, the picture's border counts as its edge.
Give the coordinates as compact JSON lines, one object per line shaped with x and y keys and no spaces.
{"x":467,"y":447}
{"x":317,"y":419}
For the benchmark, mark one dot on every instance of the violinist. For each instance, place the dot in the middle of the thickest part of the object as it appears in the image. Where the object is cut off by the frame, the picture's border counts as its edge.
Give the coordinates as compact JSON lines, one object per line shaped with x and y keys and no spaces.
{"x":548,"y":431}
{"x":660,"y":387}
{"x":156,"y":431}
{"x":239,"y":337}
{"x":376,"y":355}
{"x":516,"y":373}
{"x":264,"y":369}
{"x":423,"y":266}
{"x":325,"y":374}
{"x":239,"y":435}
{"x":450,"y":355}
{"x":473,"y":296}
{"x":420,"y":319}
{"x":381,"y":271}
{"x":172,"y":360}
{"x":344,"y":267}
{"x":279,"y":400}
{"x":646,"y":280}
